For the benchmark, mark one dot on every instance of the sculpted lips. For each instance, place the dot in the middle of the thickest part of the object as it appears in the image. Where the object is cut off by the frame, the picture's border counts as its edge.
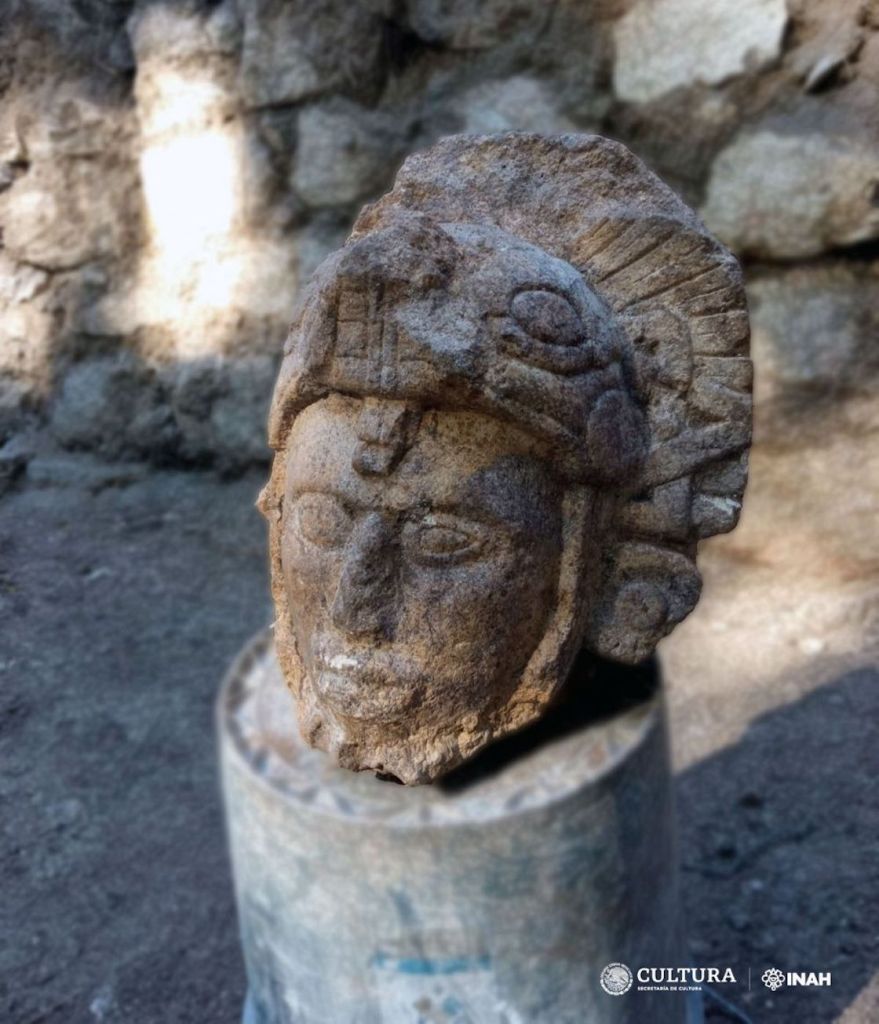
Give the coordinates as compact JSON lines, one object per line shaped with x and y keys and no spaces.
{"x":366,"y":684}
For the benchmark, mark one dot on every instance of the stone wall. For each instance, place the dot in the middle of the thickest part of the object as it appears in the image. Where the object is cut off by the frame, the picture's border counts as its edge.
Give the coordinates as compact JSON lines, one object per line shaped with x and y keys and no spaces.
{"x":170,"y":173}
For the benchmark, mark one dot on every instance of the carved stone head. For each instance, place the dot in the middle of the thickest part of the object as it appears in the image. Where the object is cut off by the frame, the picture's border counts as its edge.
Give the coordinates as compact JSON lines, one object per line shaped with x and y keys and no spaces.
{"x":508,"y":408}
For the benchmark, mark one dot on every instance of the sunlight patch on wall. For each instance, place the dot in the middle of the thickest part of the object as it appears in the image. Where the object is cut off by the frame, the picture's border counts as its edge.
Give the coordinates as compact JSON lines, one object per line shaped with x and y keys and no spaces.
{"x":191,"y":185}
{"x":193,"y":166}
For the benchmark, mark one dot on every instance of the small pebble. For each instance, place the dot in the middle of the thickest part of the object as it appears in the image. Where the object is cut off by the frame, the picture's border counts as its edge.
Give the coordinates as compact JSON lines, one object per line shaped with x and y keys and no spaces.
{"x":823,"y":71}
{"x":812,"y":645}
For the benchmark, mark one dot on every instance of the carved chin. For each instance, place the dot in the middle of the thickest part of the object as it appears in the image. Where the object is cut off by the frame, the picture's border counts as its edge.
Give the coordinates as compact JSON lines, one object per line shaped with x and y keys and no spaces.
{"x":365,"y":742}
{"x":356,"y":695}
{"x":375,"y":738}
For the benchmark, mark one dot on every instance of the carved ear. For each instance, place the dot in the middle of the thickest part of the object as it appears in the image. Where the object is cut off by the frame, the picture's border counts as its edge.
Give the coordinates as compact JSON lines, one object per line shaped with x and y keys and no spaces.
{"x":647,"y":590}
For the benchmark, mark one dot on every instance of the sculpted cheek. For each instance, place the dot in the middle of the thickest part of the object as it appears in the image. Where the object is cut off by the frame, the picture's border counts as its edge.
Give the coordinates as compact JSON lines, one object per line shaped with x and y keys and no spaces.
{"x":499,"y":602}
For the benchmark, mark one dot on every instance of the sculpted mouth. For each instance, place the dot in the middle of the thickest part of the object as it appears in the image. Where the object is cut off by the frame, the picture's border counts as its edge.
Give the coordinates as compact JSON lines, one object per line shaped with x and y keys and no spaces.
{"x":373,"y":685}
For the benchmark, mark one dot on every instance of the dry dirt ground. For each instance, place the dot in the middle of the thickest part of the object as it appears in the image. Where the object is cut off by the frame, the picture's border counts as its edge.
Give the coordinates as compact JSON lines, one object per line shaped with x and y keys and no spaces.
{"x":125,"y":593}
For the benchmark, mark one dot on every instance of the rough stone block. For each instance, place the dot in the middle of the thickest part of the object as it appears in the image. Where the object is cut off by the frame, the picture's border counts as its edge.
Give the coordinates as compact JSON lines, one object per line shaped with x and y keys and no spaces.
{"x":298,"y":50}
{"x":668,"y":44}
{"x":115,"y":406}
{"x":61,"y":214}
{"x":814,"y":342}
{"x":345,"y":152}
{"x":477,"y":24}
{"x":782,"y":195}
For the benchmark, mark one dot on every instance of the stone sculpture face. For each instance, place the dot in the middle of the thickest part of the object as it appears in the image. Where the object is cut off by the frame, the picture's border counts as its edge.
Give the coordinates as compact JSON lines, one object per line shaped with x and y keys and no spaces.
{"x":416,"y":578}
{"x":504,"y":417}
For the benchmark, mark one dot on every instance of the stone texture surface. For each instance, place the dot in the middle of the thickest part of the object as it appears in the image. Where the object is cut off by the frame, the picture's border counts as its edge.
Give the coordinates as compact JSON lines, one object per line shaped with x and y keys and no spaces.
{"x":778,"y":196}
{"x":522,"y":383}
{"x":462,"y":25}
{"x":814,"y":332}
{"x":346,"y":152}
{"x":172,"y":173}
{"x":117,"y":901}
{"x":668,"y":44}
{"x":297,"y":51}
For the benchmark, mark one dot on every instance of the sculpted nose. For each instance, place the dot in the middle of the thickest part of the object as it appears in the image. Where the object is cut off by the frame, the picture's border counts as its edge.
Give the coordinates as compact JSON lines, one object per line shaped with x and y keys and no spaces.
{"x":365,"y":598}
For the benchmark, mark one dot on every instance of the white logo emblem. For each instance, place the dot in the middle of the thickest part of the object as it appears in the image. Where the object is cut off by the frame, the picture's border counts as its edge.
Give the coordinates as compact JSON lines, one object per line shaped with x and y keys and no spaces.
{"x":773,"y":979}
{"x":616,"y":979}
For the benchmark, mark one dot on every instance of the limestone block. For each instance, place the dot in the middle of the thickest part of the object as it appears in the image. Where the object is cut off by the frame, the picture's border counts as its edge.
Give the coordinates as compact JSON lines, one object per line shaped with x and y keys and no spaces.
{"x":113,"y":405}
{"x":217,"y":301}
{"x":345,"y":152}
{"x":52,"y":35}
{"x":62,"y":214}
{"x":183,"y":101}
{"x":21,"y":283}
{"x":776,"y":195}
{"x":67,"y":118}
{"x":828,"y":35}
{"x":70,"y":191}
{"x":220,"y":408}
{"x":814,"y":343}
{"x":667,"y":44}
{"x":186,"y":71}
{"x":297,"y":50}
{"x":168,"y":34}
{"x":521,"y":102}
{"x":477,"y":24}
{"x":26,"y":335}
{"x":209,"y":411}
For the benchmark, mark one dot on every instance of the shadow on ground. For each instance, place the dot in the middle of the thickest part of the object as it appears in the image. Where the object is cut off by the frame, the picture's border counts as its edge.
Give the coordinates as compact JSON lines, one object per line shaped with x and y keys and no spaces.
{"x":780,"y":844}
{"x":124,"y":594}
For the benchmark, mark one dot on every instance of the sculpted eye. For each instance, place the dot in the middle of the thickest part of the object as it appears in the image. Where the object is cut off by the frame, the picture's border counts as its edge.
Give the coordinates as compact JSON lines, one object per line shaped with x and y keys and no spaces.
{"x":548,"y":317}
{"x":443,"y":540}
{"x":323,"y":520}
